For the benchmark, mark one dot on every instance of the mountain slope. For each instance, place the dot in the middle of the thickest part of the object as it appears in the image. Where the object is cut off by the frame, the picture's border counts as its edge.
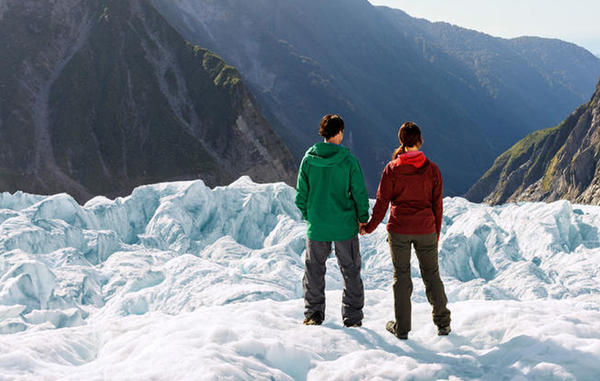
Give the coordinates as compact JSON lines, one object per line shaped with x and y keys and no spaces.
{"x":97,"y":97}
{"x":521,"y":77}
{"x":551,"y":164}
{"x":473,"y":94}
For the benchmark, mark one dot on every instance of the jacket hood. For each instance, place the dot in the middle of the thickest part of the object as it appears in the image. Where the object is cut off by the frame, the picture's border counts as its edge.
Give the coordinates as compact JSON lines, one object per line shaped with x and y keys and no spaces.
{"x":414,"y":158}
{"x":326,"y":154}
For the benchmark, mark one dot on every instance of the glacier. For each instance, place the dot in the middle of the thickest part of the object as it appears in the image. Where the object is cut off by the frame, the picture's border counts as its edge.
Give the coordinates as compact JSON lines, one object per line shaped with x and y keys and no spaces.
{"x":180,"y":281}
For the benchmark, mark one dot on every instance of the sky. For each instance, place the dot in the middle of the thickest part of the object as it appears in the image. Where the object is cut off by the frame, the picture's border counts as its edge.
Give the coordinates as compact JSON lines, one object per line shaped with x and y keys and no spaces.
{"x":576,"y":21}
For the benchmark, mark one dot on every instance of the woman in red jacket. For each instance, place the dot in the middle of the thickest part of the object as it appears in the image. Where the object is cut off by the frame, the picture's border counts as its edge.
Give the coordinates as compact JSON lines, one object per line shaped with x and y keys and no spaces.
{"x":413,"y":184}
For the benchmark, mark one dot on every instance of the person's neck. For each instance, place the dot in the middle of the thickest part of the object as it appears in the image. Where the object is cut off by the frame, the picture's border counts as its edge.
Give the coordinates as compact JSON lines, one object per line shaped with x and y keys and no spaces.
{"x":333,"y":141}
{"x":411,"y":149}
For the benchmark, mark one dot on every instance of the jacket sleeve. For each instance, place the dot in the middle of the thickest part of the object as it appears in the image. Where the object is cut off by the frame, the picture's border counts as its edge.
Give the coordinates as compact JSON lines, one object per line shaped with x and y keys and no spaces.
{"x":302,"y":188}
{"x":359,"y":192}
{"x":438,"y":201}
{"x":384,"y":195}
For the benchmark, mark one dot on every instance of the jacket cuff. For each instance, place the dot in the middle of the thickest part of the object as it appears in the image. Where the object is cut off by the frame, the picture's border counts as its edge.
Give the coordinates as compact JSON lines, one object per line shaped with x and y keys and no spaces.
{"x":370,"y":228}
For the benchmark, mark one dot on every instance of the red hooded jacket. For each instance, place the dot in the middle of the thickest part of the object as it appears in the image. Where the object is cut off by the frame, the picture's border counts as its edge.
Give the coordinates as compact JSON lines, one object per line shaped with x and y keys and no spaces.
{"x":413,"y":184}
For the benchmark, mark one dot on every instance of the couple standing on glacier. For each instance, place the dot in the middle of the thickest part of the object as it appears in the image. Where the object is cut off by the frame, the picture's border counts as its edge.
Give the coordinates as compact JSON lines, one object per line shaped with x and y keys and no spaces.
{"x":332,"y":197}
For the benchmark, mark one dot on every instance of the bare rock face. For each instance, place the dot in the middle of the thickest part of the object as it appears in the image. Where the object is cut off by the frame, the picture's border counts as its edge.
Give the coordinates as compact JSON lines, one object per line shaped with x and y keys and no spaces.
{"x":98,"y":97}
{"x":473,"y":95}
{"x":557,"y":163}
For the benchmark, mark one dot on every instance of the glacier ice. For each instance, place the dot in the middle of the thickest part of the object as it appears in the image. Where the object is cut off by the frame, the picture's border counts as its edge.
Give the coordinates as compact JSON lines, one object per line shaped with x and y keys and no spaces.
{"x":77,"y":282}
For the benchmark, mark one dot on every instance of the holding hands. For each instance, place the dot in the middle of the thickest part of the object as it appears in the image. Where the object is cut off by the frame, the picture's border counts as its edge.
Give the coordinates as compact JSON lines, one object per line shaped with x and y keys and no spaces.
{"x":362,"y":228}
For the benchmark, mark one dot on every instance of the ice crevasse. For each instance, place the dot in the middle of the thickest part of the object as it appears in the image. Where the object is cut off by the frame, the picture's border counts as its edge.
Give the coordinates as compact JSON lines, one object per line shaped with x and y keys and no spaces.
{"x":177,"y":246}
{"x":178,"y":273}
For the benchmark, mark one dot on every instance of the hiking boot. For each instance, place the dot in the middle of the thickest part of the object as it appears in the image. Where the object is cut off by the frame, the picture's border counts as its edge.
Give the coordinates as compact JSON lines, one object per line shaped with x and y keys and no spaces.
{"x":444,"y":331}
{"x":351,"y":325}
{"x":311,"y":321}
{"x":391,"y":327}
{"x":314,"y":319}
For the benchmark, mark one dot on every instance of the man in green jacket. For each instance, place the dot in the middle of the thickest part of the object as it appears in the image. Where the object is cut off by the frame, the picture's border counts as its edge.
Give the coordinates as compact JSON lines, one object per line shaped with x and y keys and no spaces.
{"x":332,"y":197}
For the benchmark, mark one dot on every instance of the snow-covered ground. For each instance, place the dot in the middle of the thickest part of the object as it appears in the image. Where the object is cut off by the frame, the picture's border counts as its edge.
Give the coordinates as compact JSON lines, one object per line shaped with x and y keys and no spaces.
{"x":181,"y":282}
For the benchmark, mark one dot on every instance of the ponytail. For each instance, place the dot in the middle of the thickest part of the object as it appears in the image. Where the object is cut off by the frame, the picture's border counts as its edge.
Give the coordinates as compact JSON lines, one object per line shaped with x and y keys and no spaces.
{"x":399,"y":151}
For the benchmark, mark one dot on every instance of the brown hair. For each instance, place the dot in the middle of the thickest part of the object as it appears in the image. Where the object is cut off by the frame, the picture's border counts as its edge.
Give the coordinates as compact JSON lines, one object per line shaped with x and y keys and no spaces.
{"x":409,"y":136}
{"x":331,"y":125}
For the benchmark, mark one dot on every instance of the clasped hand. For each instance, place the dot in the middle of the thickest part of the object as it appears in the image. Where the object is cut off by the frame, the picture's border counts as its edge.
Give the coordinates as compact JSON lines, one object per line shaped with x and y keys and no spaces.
{"x":362,"y":228}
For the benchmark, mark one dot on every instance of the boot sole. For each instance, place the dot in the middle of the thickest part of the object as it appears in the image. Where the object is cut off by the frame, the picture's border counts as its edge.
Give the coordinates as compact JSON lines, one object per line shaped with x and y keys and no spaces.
{"x":391,"y":330}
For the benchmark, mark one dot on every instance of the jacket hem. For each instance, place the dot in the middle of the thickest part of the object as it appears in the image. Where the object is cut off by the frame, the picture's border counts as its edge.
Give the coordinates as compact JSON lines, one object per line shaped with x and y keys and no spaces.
{"x":410,"y":232}
{"x":332,"y":238}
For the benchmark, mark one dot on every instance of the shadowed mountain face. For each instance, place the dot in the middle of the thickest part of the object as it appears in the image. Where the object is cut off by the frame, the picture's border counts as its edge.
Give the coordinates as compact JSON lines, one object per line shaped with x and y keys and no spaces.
{"x":473,"y":95}
{"x":551,"y":164}
{"x":97,"y":97}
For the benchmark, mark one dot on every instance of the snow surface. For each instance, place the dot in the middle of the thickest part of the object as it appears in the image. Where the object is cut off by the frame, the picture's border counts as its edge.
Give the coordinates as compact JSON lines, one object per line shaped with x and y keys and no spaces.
{"x":182,"y":282}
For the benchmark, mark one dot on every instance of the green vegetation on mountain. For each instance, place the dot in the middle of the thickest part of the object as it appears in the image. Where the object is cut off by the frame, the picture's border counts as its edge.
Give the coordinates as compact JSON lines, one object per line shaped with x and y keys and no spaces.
{"x":115,"y":98}
{"x":551,"y":164}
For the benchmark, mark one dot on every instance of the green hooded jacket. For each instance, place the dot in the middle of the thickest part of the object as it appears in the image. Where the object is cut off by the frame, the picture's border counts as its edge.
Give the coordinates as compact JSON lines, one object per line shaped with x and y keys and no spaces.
{"x":331,"y":193}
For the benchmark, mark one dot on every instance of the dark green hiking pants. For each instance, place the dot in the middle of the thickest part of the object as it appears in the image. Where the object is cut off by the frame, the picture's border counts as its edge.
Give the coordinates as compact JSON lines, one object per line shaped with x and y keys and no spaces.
{"x":348,"y":256}
{"x":427,"y":253}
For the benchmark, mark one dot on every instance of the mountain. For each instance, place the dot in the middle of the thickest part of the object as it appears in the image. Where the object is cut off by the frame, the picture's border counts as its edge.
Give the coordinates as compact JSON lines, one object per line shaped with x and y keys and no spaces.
{"x":551,"y":164}
{"x":158,"y":286}
{"x":474,"y":95}
{"x":100,"y":96}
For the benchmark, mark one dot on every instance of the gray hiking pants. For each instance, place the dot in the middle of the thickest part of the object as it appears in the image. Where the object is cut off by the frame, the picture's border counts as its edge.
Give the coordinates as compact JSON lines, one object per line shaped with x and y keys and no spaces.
{"x":426,"y":248}
{"x":348,"y":256}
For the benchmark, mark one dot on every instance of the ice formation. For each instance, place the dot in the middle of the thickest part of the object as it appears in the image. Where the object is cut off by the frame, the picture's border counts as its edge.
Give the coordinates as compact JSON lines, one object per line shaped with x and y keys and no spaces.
{"x":180,"y":281}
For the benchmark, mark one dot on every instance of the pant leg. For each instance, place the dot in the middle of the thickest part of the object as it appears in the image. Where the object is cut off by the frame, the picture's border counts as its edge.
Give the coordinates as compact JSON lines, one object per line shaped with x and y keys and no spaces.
{"x":427,"y":252}
{"x":353,"y":298}
{"x":314,"y":277}
{"x":400,"y":245}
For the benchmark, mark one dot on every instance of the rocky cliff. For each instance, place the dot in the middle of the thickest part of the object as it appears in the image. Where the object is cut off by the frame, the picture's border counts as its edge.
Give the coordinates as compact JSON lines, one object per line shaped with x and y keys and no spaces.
{"x":99,"y":96}
{"x":556,"y":163}
{"x":473,"y":94}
